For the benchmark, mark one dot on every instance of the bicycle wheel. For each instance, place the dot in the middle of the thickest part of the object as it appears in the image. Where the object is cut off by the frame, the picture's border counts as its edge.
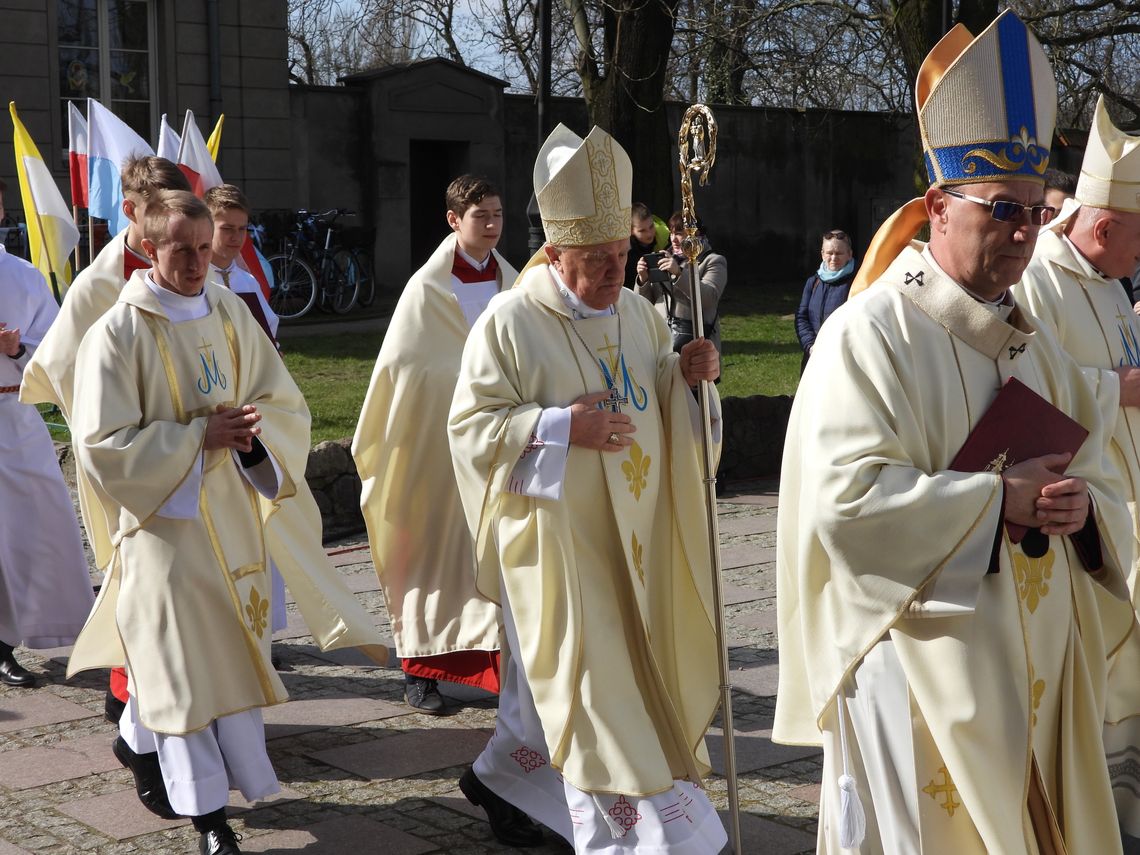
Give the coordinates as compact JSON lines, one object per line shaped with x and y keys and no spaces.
{"x":294,"y":287}
{"x":367,"y":278}
{"x":344,"y":282}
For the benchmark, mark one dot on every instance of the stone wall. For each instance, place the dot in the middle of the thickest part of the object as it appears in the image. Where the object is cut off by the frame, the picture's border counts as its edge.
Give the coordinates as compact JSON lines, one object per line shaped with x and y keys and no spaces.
{"x":753,"y":446}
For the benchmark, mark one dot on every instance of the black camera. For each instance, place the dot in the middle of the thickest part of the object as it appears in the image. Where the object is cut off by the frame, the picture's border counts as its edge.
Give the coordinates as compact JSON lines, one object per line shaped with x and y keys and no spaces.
{"x":656,"y":274}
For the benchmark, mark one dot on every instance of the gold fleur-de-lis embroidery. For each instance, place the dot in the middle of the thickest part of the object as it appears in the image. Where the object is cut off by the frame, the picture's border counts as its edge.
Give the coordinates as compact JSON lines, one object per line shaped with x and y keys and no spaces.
{"x":1038,"y":693}
{"x":257,"y":610}
{"x":636,"y":469}
{"x":1032,"y":575}
{"x":638,"y":551}
{"x":947,"y":789}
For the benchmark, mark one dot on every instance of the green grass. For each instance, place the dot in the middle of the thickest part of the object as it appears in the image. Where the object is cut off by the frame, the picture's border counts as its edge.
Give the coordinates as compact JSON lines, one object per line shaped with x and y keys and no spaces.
{"x":758,"y":332}
{"x":761,"y":357}
{"x":333,"y":372}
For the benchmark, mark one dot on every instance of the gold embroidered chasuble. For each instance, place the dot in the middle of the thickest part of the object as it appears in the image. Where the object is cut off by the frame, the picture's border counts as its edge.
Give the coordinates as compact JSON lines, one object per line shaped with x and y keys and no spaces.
{"x":876,"y":538}
{"x":185,"y":603}
{"x":1095,"y":324}
{"x":610,"y":586}
{"x":417,"y":532}
{"x":330,"y":610}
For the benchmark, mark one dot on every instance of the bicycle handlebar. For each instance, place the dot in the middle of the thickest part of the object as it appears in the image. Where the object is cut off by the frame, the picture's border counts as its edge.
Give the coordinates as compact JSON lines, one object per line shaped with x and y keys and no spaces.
{"x":328,"y":216}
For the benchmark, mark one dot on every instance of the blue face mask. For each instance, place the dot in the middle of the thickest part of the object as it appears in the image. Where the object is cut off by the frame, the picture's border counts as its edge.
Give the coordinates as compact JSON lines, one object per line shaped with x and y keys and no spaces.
{"x":829,"y":276}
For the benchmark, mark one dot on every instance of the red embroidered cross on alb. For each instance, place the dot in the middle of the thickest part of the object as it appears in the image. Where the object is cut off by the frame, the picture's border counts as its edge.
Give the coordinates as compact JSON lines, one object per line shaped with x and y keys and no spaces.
{"x":528,"y":759}
{"x":624,"y":814}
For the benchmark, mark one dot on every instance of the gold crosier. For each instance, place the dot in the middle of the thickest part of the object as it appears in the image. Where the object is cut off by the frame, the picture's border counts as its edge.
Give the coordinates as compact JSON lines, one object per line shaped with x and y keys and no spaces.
{"x":696,"y":145}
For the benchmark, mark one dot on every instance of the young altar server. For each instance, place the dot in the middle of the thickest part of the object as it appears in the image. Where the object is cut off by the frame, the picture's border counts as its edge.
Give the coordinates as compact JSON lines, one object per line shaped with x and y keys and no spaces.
{"x":443,"y":628}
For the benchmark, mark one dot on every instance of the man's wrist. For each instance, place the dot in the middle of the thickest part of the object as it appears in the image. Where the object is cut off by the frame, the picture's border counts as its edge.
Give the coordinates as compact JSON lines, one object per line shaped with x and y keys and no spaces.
{"x":20,"y":351}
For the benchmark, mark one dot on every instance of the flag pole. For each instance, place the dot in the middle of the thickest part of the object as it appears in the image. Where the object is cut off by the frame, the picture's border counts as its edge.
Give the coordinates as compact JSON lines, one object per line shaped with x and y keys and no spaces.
{"x":47,"y":255}
{"x":696,"y":144}
{"x":182,"y":139}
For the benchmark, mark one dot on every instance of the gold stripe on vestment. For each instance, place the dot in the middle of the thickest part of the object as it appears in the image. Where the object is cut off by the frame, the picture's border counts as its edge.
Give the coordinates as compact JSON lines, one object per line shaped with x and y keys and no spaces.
{"x":254,"y":649}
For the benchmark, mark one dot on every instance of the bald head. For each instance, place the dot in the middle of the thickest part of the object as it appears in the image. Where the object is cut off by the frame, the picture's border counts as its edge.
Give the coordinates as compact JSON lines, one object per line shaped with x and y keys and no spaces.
{"x":1109,"y":239}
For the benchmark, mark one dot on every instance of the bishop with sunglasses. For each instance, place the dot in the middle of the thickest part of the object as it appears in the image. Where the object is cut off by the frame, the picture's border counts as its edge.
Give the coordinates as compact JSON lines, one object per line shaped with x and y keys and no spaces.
{"x":955,"y":679}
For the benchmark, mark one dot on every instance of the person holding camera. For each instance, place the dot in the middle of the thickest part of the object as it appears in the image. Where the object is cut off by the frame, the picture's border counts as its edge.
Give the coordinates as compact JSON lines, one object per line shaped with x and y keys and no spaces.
{"x":663,"y":276}
{"x":826,"y":289}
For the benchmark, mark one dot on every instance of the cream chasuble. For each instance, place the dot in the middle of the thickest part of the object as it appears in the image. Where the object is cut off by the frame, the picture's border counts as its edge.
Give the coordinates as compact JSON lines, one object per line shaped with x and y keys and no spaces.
{"x":420,"y":542}
{"x":143,"y":390}
{"x":1094,"y":322}
{"x":1005,"y":672}
{"x":609,"y":587}
{"x":330,"y":610}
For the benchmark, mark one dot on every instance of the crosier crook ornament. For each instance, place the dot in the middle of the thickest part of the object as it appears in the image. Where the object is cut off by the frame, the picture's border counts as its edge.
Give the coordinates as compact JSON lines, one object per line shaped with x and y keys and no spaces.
{"x":698,"y":136}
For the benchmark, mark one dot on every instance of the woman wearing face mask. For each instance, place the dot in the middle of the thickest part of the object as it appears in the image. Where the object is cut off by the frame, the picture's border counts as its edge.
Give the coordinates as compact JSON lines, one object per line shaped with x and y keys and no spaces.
{"x":712,"y":272}
{"x":826,"y":289}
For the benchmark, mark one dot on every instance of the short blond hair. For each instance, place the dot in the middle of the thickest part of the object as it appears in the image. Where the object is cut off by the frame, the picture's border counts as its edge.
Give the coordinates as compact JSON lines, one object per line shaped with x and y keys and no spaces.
{"x":167,"y":202}
{"x":146,"y":175}
{"x":225,"y":197}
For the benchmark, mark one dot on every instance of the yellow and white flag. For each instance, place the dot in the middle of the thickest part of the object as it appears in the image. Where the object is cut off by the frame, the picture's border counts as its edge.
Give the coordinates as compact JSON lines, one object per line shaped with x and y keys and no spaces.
{"x":52,"y":236}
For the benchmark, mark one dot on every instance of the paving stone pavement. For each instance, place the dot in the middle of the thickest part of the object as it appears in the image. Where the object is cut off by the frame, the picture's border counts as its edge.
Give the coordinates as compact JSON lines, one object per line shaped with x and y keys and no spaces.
{"x":362,"y":773}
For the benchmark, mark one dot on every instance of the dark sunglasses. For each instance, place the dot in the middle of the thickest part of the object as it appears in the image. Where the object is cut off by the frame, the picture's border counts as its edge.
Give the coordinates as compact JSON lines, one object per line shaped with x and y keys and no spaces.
{"x":1010,"y":212}
{"x":837,"y":234}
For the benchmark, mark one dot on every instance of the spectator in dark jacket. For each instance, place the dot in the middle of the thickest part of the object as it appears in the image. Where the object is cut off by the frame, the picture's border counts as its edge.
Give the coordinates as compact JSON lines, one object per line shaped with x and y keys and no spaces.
{"x":826,"y":289}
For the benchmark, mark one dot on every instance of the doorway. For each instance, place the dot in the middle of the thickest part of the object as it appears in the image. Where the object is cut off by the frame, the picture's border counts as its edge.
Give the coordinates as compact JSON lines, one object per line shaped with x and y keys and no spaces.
{"x":433,"y":164}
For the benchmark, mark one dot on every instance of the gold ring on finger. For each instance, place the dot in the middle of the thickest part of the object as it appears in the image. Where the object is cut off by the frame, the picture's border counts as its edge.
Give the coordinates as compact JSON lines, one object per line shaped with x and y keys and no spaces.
{"x":615,"y":439}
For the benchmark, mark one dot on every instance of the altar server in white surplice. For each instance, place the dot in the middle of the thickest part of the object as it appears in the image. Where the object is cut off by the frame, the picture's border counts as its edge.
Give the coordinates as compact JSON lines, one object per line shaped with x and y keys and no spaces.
{"x":190,"y":432}
{"x":443,"y":628}
{"x":573,"y":432}
{"x":1073,"y":287}
{"x":956,"y":680}
{"x":45,"y":589}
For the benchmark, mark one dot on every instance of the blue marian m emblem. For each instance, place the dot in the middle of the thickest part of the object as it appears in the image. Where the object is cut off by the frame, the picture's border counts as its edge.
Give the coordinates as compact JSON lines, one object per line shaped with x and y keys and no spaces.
{"x":211,"y":374}
{"x":629,"y":387}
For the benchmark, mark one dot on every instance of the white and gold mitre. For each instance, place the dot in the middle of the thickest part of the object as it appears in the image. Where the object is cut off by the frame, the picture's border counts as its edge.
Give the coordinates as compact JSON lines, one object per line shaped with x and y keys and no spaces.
{"x":1110,"y":172}
{"x":583,"y":187}
{"x":987,"y":105}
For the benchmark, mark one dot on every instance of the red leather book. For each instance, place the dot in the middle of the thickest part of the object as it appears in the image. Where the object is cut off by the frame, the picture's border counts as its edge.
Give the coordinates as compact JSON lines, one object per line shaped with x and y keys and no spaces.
{"x":1018,"y":425}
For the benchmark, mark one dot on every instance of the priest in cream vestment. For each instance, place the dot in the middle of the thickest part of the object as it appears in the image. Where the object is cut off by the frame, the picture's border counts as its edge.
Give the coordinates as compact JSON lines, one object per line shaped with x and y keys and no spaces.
{"x":190,"y":433}
{"x":1073,"y":288}
{"x":574,"y":435}
{"x":955,"y":680}
{"x":331,"y":611}
{"x":443,"y":628}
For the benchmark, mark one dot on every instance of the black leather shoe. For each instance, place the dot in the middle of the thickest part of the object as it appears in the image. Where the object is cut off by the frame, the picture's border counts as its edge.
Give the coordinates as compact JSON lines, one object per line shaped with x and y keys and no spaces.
{"x":112,"y":707}
{"x":14,"y":674}
{"x":509,"y":824}
{"x":423,"y":694}
{"x":221,"y":842}
{"x":148,"y":778}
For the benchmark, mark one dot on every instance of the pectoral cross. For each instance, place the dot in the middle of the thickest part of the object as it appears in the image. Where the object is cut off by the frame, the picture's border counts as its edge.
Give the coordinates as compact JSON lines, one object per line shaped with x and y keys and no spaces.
{"x":614,"y":400}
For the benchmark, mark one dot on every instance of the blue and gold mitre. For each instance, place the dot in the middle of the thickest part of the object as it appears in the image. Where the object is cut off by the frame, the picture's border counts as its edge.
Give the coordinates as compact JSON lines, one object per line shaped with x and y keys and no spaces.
{"x":986,"y":105}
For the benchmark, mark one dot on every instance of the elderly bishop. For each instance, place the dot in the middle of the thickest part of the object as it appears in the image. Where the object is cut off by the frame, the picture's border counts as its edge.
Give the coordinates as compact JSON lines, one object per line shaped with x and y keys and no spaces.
{"x":1073,"y":288}
{"x":573,"y":430}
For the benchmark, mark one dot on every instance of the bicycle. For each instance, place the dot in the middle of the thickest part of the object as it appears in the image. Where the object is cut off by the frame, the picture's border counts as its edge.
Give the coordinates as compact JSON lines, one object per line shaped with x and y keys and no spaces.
{"x":296,"y":286}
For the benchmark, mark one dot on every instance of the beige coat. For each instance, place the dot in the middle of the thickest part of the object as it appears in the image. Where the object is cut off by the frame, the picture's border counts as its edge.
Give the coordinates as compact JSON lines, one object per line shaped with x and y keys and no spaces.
{"x":420,"y":542}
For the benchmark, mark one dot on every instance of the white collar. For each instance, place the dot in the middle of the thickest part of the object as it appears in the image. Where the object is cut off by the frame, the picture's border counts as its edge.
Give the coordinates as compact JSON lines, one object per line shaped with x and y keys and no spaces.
{"x":478,"y":265}
{"x":178,"y":307}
